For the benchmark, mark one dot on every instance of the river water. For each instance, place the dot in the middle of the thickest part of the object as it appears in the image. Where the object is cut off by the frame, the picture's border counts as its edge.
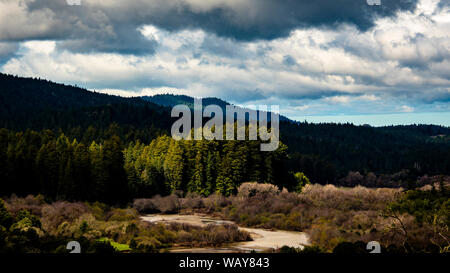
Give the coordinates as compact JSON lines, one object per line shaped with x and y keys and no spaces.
{"x":262,"y":239}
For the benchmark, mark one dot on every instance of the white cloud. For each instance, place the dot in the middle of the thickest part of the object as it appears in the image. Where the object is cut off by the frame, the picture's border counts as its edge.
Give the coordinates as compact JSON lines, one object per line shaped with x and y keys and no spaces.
{"x":406,"y":109}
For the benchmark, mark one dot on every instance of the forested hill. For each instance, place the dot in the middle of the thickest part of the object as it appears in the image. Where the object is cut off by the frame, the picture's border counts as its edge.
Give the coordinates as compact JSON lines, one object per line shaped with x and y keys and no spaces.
{"x":38,"y":94}
{"x":28,"y":103}
{"x":171,"y":100}
{"x":332,"y":150}
{"x":324,"y":152}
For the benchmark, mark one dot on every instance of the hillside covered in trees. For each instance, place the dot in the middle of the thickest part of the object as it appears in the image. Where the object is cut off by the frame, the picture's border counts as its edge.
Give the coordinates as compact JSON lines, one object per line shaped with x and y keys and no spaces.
{"x":70,"y":143}
{"x":37,"y":104}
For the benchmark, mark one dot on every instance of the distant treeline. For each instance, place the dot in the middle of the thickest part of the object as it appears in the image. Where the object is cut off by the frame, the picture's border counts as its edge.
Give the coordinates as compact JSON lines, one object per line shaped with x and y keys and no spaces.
{"x":422,"y":149}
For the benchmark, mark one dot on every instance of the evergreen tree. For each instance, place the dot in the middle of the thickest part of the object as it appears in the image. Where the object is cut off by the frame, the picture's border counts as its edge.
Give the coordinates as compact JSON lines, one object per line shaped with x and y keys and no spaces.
{"x":197,"y":181}
{"x":81,"y":165}
{"x":212,"y":162}
{"x":47,"y":165}
{"x":67,"y":189}
{"x":5,"y":185}
{"x":301,"y":181}
{"x":64,"y":153}
{"x":98,"y":172}
{"x":174,"y":166}
{"x":113,"y":163}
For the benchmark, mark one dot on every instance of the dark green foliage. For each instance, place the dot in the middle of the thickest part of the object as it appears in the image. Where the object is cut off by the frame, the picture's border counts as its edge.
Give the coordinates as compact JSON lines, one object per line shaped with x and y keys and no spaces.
{"x":25,"y":214}
{"x":426,"y":206}
{"x":203,"y":167}
{"x":325,"y":152}
{"x":301,"y":180}
{"x":305,"y":250}
{"x":84,"y":227}
{"x":350,"y":248}
{"x":6,"y":219}
{"x":113,"y":162}
{"x":312,"y":250}
{"x":65,"y":169}
{"x":103,"y":247}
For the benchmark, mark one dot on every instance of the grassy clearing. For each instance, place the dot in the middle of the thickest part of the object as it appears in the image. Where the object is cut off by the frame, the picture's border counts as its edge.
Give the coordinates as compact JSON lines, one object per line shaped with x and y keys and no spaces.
{"x":118,"y":246}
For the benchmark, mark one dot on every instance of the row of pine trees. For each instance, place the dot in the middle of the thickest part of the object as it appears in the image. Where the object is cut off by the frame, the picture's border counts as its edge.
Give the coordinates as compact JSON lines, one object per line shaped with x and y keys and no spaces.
{"x":112,"y":171}
{"x":204,"y":167}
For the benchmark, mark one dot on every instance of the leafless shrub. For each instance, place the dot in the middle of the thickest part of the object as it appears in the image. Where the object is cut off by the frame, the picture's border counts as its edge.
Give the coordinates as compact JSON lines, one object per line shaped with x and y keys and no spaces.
{"x":192,"y":201}
{"x":352,"y":179}
{"x":250,"y":189}
{"x":167,"y":204}
{"x":216,"y":201}
{"x":56,"y":213}
{"x":220,"y":234}
{"x":357,"y":198}
{"x":30,"y":203}
{"x":144,"y":205}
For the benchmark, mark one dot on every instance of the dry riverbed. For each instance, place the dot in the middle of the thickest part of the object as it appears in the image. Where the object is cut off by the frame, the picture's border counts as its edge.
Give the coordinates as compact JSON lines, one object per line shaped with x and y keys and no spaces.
{"x":262,"y":239}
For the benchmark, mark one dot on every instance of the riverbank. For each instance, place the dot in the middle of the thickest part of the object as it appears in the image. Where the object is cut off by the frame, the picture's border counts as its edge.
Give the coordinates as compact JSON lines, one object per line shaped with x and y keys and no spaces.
{"x":263,"y":239}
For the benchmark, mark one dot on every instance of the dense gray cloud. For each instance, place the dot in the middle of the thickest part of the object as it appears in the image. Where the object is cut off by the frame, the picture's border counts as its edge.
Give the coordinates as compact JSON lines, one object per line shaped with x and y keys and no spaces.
{"x":77,"y":28}
{"x":265,"y":19}
{"x":111,"y":26}
{"x":7,"y":51}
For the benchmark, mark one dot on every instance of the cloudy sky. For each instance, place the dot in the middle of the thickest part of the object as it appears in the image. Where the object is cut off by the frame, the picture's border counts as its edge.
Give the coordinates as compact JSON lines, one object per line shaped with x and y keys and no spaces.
{"x":322,"y":60}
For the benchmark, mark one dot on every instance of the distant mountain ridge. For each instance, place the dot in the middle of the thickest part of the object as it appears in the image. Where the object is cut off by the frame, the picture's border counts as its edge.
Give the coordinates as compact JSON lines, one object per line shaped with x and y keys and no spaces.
{"x":170,"y":100}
